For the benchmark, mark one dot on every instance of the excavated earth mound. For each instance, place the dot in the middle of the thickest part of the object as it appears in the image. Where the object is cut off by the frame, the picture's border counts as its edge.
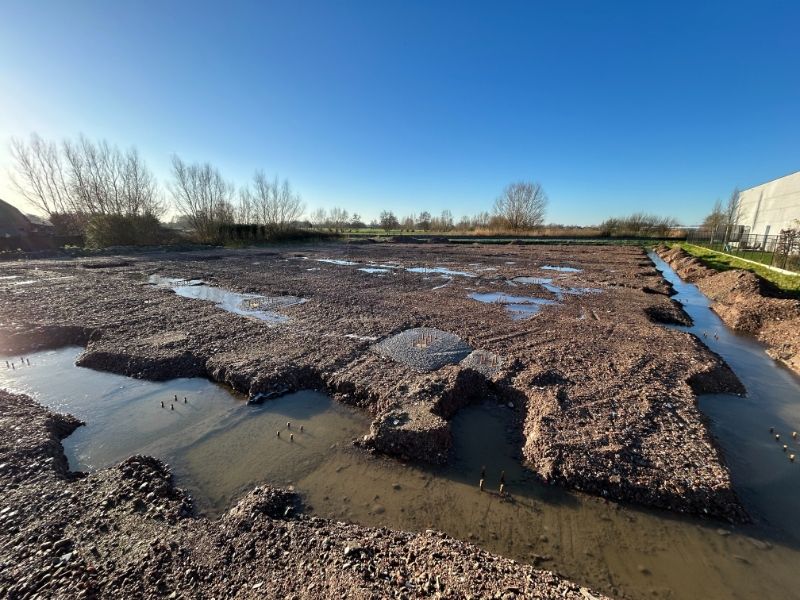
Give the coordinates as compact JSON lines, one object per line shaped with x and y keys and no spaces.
{"x":746,"y":303}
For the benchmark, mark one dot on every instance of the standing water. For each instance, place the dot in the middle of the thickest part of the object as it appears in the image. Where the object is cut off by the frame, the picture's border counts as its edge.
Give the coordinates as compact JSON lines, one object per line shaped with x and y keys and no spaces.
{"x":766,"y":480}
{"x":618,"y":549}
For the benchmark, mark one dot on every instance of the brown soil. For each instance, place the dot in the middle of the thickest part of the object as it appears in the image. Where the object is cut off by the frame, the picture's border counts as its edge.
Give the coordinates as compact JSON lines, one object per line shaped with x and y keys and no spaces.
{"x":747,"y":303}
{"x":126,"y":532}
{"x":605,"y":393}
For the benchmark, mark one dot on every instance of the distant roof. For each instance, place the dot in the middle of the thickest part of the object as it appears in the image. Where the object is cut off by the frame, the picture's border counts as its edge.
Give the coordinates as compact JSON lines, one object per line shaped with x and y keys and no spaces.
{"x":38,"y":221}
{"x":12,"y":221}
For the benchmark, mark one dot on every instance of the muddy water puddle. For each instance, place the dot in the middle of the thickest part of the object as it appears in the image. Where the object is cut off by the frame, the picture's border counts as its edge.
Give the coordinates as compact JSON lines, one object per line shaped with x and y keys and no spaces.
{"x":280,"y":442}
{"x":519,"y":307}
{"x":123,"y":416}
{"x":253,"y":306}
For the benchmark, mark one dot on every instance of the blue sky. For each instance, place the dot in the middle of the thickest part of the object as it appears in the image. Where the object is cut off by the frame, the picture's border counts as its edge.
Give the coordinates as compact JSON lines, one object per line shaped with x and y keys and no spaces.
{"x":612,"y":106}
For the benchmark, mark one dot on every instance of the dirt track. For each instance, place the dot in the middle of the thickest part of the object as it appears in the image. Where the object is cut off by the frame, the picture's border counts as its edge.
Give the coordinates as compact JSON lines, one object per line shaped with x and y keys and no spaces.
{"x":746,"y":303}
{"x":605,"y":393}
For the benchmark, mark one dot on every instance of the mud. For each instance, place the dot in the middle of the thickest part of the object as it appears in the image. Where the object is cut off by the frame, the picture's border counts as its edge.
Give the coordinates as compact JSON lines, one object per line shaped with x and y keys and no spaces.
{"x":128,"y":532}
{"x":746,"y":303}
{"x":605,"y":395}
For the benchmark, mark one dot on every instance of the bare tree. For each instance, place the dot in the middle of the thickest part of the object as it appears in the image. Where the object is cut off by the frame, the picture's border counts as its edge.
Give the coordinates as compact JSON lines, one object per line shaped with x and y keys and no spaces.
{"x":202,"y":194}
{"x":717,"y":219}
{"x":84,"y":178}
{"x":245,"y":209}
{"x":139,"y":187}
{"x":39,"y":175}
{"x":106,"y":181}
{"x":319,"y":217}
{"x":424,"y":222}
{"x":732,"y":208}
{"x":409,"y":222}
{"x":482,"y":219}
{"x":446,"y":220}
{"x":274,"y":204}
{"x":522,"y":205}
{"x":388,"y":221}
{"x":338,"y":218}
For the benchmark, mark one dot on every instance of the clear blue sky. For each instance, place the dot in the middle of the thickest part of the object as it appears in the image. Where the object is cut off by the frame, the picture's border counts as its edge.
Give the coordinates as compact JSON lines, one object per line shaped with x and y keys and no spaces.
{"x":412,"y":105}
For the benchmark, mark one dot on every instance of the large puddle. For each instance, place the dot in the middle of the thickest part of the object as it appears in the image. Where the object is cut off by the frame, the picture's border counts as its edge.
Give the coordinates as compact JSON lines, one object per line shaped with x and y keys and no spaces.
{"x":254,"y":306}
{"x":219,"y":447}
{"x":519,"y":307}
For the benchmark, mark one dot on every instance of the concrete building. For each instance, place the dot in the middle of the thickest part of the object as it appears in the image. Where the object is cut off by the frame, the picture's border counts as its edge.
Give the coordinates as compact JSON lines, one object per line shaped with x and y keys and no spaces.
{"x":767,"y":208}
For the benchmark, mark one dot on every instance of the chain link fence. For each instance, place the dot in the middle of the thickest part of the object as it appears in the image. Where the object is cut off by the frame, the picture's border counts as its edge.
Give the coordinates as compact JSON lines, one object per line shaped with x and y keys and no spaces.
{"x":781,"y":251}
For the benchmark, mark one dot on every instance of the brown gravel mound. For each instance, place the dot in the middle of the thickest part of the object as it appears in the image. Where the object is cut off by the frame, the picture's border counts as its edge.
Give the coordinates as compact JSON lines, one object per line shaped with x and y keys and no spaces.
{"x":126,"y":532}
{"x":747,"y":303}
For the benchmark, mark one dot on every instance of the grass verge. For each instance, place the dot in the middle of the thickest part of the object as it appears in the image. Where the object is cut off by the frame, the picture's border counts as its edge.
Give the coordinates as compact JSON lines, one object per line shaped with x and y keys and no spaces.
{"x":724,"y":262}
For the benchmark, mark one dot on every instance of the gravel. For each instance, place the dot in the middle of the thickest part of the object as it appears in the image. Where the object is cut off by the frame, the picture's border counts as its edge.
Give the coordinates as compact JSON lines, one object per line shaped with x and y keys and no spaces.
{"x":424,"y":348}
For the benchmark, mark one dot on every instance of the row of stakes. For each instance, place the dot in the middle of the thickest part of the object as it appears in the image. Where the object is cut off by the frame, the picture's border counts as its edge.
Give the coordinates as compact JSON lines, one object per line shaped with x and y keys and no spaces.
{"x":785,"y":447}
{"x":22,"y":360}
{"x":424,"y":340}
{"x":174,"y":402}
{"x":186,"y":401}
{"x":482,"y":482}
{"x":291,"y":435}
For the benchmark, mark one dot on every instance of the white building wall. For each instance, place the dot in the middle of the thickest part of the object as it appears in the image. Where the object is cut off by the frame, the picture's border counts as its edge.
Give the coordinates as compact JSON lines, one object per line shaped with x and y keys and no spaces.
{"x":771,"y":206}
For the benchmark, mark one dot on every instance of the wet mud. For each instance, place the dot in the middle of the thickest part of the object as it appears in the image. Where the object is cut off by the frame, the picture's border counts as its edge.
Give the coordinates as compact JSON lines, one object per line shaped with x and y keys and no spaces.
{"x":605,"y":395}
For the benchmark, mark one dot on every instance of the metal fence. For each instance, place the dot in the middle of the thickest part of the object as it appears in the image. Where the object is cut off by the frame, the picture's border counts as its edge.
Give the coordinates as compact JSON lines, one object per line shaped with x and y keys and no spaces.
{"x":782,"y":251}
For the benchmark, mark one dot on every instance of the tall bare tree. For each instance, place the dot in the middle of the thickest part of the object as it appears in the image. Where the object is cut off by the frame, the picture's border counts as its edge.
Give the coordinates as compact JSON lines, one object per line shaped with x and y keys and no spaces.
{"x":319,"y":217}
{"x":84,"y":177}
{"x":717,"y":219}
{"x":245,"y":210}
{"x":274,"y":203}
{"x":39,"y":175}
{"x":338,"y":218}
{"x":201,"y":193}
{"x":522,"y":205}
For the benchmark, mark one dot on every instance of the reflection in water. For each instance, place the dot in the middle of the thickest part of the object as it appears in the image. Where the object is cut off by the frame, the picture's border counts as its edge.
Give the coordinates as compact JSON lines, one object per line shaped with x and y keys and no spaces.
{"x":561,"y":269}
{"x":519,"y":307}
{"x":440,"y":271}
{"x":123,"y":416}
{"x":245,"y":448}
{"x":248,"y":305}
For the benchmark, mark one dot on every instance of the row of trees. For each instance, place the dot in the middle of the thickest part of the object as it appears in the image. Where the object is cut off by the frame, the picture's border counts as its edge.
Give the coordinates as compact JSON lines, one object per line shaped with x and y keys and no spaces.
{"x":522,"y":206}
{"x":85,"y":186}
{"x":82,"y":184}
{"x":638,"y":224}
{"x":77,"y":179}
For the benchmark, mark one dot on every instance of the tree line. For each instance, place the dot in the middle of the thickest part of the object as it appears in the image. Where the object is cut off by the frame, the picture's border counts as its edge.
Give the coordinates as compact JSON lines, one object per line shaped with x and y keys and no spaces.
{"x":110,"y":195}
